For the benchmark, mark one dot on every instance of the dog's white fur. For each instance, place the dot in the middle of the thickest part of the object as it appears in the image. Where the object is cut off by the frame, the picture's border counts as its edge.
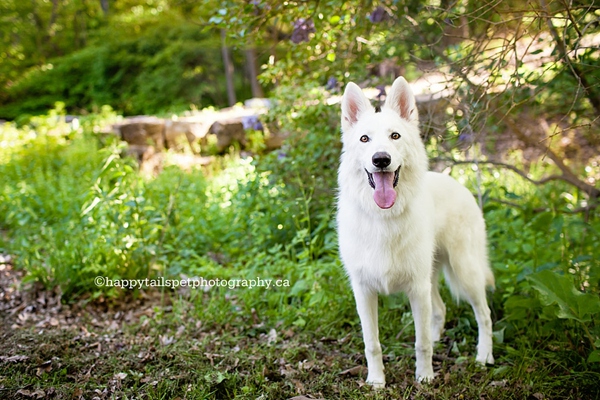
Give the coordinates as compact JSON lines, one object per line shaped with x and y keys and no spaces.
{"x":434,"y":225}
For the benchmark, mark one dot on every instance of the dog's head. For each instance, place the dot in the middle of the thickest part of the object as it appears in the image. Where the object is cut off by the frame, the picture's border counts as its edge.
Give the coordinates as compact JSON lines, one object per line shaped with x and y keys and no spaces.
{"x":383,"y":144}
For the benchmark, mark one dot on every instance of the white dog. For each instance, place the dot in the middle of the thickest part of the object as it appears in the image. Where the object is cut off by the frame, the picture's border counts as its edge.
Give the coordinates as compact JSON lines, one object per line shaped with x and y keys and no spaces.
{"x":400,"y":225}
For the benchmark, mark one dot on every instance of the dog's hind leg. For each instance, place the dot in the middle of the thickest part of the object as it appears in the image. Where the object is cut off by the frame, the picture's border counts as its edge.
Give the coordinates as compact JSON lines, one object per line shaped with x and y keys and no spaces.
{"x":366,"y":305}
{"x":438,"y":309}
{"x":478,"y":301}
{"x":484,"y":325}
{"x":468,"y":278}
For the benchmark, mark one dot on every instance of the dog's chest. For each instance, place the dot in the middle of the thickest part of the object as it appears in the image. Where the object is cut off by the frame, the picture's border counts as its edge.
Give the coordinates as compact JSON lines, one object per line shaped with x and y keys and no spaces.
{"x":385,"y":254}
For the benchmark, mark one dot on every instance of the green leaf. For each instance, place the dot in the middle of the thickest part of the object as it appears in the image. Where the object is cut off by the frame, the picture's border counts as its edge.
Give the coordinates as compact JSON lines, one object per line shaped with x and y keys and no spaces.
{"x":559,"y":290}
{"x":594,"y":356}
{"x":519,"y":307}
{"x":543,"y":221}
{"x":300,"y":287}
{"x":499,"y":335}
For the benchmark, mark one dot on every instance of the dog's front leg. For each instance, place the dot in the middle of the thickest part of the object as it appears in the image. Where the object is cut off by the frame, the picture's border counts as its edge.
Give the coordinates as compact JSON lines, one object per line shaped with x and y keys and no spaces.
{"x":366,"y":305}
{"x":420,"y":303}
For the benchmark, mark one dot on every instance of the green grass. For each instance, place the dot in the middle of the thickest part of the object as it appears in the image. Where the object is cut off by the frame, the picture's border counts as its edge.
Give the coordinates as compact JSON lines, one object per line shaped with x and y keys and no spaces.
{"x":176,"y":351}
{"x":73,"y":208}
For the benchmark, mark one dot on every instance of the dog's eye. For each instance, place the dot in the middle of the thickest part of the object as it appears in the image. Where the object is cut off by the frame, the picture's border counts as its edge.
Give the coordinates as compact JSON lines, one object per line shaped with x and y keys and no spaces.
{"x":395,"y":135}
{"x":364,"y":138}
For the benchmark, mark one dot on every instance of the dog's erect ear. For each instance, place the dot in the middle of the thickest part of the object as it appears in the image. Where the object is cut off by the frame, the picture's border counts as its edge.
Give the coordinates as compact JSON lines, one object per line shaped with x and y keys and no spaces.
{"x":354,"y":103}
{"x":402,"y":100}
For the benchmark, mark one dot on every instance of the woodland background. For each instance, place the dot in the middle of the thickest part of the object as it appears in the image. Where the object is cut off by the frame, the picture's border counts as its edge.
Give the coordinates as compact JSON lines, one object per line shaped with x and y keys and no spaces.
{"x":515,"y":119}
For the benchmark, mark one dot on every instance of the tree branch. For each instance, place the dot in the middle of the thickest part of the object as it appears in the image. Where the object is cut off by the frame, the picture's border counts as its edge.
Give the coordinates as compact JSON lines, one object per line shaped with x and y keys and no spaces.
{"x":567,"y":175}
{"x":523,"y":174}
{"x":516,"y":205}
{"x":583,"y":209}
{"x":516,"y":170}
{"x":562,"y":52}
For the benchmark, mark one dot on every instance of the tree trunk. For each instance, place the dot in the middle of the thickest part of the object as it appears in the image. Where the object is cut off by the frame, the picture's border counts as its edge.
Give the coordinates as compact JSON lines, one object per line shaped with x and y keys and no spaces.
{"x":228,"y":63}
{"x":105,"y":7}
{"x":251,"y":64}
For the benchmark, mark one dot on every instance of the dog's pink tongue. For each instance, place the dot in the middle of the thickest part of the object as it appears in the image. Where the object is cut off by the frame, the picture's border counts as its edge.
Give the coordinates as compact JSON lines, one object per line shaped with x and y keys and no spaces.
{"x":385,"y":195}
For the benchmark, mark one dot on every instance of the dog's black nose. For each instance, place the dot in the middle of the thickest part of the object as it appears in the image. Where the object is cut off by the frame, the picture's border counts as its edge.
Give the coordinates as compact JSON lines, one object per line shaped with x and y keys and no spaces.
{"x":381,"y":159}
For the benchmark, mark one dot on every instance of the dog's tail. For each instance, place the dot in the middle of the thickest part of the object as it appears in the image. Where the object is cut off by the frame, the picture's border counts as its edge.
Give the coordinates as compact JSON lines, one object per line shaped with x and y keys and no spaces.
{"x":490,"y":281}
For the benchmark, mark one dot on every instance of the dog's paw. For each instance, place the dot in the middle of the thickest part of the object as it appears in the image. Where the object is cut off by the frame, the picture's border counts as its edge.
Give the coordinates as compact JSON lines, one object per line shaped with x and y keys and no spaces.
{"x":485,"y":358}
{"x":376,"y":383}
{"x":425,"y":377}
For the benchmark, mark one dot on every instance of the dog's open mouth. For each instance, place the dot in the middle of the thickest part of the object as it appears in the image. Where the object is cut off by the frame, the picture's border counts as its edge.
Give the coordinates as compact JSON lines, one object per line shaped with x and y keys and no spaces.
{"x":384,"y":183}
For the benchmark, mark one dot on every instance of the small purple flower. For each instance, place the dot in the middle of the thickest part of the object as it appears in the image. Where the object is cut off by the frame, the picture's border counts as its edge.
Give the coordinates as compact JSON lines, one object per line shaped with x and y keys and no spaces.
{"x":381,"y":93}
{"x":378,"y":15}
{"x":332,"y":83}
{"x":465,"y":137}
{"x":252,"y":122}
{"x":302,"y":28}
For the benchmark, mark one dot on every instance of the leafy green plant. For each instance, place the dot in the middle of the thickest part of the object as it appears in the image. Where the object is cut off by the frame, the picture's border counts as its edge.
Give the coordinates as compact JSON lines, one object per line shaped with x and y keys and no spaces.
{"x":566,"y":302}
{"x":157,"y":67}
{"x":557,"y":290}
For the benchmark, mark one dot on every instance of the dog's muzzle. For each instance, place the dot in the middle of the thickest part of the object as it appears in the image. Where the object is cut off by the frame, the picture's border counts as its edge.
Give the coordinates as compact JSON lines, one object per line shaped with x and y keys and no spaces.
{"x":372,"y":182}
{"x":383,"y":183}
